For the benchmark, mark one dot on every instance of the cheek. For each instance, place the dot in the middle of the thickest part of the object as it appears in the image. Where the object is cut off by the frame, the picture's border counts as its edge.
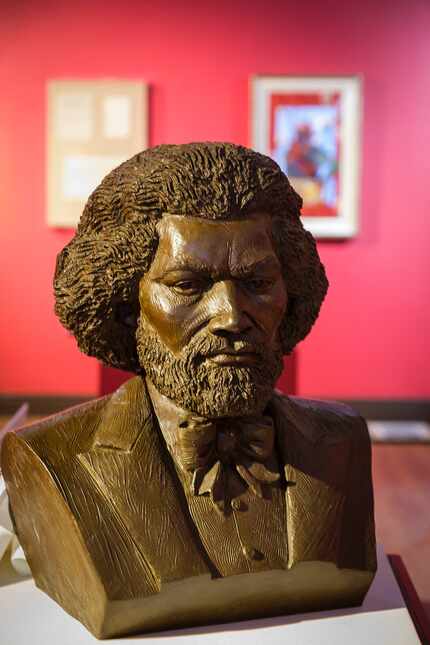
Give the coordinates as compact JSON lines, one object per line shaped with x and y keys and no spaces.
{"x":281,"y":300}
{"x":272,"y":309}
{"x":167,"y":315}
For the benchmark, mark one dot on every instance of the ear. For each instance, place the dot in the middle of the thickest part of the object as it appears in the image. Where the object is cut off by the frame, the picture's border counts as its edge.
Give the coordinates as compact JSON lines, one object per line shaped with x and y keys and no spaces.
{"x":126,"y":314}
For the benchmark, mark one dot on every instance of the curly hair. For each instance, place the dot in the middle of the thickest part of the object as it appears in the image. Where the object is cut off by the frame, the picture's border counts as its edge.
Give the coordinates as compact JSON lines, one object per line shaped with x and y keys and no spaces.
{"x":97,"y":274}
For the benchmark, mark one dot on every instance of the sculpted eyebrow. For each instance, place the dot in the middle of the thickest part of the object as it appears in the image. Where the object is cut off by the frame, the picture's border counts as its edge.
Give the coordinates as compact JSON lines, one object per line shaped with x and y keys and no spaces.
{"x":192,"y":267}
{"x":266,"y":264}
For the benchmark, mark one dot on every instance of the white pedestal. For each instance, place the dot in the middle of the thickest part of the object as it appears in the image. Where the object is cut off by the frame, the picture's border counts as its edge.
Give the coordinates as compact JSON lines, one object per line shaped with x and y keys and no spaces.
{"x":30,"y":617}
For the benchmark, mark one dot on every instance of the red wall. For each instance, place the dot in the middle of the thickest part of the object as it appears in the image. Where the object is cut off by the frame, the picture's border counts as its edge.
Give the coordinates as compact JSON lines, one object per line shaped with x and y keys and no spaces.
{"x":198,"y":57}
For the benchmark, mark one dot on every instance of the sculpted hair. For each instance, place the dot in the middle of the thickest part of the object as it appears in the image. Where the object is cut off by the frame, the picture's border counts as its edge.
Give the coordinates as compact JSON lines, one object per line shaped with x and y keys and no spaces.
{"x":97,"y":274}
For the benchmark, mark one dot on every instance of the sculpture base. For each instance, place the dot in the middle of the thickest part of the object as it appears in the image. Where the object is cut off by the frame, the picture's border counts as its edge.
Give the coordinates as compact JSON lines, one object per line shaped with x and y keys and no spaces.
{"x":29,"y":617}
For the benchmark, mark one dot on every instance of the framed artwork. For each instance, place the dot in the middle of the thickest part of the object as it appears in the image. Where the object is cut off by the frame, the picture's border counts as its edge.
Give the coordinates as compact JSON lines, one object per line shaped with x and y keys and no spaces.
{"x":311,"y":127}
{"x":93,"y":126}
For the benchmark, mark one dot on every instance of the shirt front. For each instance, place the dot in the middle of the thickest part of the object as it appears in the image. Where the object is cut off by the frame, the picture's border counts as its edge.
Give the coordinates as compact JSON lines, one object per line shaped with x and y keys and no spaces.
{"x":252,"y":537}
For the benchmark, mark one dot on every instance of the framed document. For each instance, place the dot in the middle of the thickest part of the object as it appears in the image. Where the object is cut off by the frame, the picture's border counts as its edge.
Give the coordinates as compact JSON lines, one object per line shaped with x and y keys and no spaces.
{"x":311,"y":127}
{"x":93,"y":126}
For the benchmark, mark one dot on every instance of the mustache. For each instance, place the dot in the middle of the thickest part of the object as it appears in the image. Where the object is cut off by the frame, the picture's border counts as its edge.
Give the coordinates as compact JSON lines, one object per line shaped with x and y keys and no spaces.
{"x":205,"y":344}
{"x":201,"y":348}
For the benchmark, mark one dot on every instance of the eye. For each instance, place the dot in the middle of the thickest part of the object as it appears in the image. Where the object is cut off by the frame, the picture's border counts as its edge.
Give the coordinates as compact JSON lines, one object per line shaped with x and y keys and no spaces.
{"x":259,"y":285}
{"x":189,"y":287}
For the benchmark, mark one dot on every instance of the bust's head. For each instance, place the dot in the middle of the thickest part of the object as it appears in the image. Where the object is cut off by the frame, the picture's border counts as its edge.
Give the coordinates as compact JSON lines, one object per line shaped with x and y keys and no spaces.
{"x":191,"y":265}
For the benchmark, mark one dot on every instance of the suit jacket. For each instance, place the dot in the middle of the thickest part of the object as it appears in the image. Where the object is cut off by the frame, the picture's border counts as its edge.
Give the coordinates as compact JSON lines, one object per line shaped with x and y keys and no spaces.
{"x":107,"y":531}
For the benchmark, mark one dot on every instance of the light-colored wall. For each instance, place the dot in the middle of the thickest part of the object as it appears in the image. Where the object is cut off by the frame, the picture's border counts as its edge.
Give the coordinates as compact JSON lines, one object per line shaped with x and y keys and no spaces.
{"x":198,"y":56}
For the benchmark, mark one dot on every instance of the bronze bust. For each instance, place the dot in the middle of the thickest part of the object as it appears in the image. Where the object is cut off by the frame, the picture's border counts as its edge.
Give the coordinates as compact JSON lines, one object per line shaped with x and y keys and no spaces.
{"x":195,"y":493}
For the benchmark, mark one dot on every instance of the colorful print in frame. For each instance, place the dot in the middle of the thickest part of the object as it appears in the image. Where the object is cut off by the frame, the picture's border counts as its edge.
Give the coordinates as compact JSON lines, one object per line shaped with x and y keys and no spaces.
{"x":310,"y":127}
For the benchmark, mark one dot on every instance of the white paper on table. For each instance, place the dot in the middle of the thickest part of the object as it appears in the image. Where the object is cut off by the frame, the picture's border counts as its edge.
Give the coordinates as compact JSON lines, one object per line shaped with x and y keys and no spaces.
{"x":8,"y":537}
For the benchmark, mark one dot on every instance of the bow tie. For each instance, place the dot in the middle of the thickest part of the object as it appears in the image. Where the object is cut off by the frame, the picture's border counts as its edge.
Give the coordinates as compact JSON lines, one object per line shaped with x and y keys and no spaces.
{"x":226,"y":456}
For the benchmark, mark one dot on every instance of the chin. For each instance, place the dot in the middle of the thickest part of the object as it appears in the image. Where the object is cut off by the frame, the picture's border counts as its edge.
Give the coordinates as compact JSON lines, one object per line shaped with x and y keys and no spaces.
{"x":217,"y":392}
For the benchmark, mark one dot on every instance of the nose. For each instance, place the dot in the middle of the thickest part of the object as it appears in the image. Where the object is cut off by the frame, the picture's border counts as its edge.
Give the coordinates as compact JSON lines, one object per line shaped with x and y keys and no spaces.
{"x":229,"y":313}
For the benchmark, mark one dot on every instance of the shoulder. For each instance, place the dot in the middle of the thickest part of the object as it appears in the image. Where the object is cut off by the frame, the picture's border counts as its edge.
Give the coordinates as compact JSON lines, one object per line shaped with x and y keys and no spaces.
{"x":321,"y":407}
{"x":66,"y":431}
{"x":319,"y":420}
{"x":73,"y":430}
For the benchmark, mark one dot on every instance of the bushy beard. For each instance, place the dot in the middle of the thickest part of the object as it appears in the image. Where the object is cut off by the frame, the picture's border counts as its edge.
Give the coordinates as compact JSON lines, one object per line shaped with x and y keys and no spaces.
{"x":205,"y":388}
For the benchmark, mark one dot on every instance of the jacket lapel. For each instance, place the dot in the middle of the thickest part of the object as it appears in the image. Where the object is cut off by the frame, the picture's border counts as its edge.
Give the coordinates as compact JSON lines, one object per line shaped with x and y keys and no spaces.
{"x":315,"y":465}
{"x":132,"y":470}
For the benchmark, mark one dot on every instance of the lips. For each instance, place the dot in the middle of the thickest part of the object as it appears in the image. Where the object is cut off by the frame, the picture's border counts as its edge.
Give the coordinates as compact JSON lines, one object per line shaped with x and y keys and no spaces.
{"x":231,"y":357}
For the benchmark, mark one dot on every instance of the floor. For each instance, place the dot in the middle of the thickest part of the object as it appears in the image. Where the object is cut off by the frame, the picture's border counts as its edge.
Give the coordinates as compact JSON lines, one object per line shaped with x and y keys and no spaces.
{"x":401,"y":475}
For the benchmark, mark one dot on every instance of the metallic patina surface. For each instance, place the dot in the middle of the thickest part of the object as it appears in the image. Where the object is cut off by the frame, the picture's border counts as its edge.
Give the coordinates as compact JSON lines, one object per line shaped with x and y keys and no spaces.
{"x":195,"y":493}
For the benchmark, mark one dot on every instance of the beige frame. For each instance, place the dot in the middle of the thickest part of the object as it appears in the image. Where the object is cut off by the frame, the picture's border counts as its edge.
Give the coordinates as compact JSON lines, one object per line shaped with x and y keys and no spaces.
{"x":93,"y":126}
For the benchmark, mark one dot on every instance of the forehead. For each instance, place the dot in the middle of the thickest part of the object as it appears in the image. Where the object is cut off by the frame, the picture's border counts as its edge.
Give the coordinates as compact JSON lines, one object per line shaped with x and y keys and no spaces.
{"x":215,"y":243}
